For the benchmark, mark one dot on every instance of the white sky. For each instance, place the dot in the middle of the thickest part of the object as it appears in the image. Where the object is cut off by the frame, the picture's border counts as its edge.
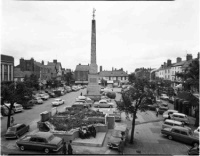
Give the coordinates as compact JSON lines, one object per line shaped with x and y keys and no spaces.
{"x":130,"y":35}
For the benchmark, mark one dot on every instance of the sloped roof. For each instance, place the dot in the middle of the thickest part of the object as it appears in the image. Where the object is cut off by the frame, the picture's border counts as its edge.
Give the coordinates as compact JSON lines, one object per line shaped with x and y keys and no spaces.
{"x":82,"y":68}
{"x":112,"y":73}
{"x":179,"y":63}
{"x":19,"y":74}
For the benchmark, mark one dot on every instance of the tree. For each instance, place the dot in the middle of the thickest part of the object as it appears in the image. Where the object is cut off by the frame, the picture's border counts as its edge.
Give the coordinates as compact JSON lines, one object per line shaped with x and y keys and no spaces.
{"x":15,"y":92}
{"x":32,"y":81}
{"x":134,"y":99}
{"x":191,"y":75}
{"x":131,"y":77}
{"x":68,"y":78}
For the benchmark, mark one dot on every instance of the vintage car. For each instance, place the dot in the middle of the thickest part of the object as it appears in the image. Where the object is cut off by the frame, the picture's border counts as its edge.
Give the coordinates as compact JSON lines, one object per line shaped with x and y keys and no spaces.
{"x":170,"y":123}
{"x":41,"y":141}
{"x":167,"y":113}
{"x":80,"y":105}
{"x":103,"y":104}
{"x":58,"y":102}
{"x":181,"y":134}
{"x":163,"y":108}
{"x":196,"y":132}
{"x":180,"y":117}
{"x":38,"y":100}
{"x":164,"y":97}
{"x":16,"y":131}
{"x":16,"y":107}
{"x":44,"y":96}
{"x":118,"y":132}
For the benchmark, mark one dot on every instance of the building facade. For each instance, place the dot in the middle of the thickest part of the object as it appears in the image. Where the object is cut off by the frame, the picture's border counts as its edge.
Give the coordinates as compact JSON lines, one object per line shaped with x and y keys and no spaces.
{"x":7,"y":68}
{"x":81,"y":74}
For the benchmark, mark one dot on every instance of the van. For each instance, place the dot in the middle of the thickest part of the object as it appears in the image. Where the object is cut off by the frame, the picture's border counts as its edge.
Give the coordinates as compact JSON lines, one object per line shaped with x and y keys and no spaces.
{"x":170,"y":123}
{"x":180,"y":117}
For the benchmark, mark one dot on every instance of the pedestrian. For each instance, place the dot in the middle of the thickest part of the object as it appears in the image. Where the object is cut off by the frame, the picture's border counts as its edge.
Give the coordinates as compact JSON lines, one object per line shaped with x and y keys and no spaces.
{"x":121,"y":146}
{"x":64,"y":149}
{"x":70,"y":150}
{"x":12,"y":121}
{"x":81,"y":94}
{"x":157,"y":111}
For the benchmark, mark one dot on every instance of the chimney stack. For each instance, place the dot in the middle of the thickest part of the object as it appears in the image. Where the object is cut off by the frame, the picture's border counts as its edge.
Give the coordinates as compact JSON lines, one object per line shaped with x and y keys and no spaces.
{"x":162,"y":66}
{"x":165,"y":64}
{"x":55,"y":61}
{"x":42,"y":62}
{"x":169,"y":62}
{"x":198,"y":55}
{"x":112,"y":68}
{"x":189,"y":57}
{"x":178,"y":59}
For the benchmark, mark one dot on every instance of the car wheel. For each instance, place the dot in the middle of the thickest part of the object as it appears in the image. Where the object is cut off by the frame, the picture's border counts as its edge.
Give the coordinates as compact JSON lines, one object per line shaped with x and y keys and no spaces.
{"x":110,"y":106}
{"x":195,"y":144}
{"x":22,"y":148}
{"x":46,"y":150}
{"x":170,"y":137}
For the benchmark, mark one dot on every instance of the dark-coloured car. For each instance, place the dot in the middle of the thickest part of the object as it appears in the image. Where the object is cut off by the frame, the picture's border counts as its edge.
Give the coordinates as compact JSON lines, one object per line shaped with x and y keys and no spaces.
{"x":181,"y":134}
{"x":115,"y":138}
{"x":41,"y":141}
{"x":16,"y":131}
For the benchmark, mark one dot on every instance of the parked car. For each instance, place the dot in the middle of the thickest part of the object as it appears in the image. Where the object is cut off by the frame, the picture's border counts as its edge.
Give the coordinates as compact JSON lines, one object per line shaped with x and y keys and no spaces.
{"x":41,"y":141}
{"x":39,"y":100}
{"x":181,"y":134}
{"x":44,"y":96}
{"x":116,"y":135}
{"x":152,"y":106}
{"x":103,"y":104}
{"x":170,"y":123}
{"x":58,"y":102}
{"x":164,"y":97}
{"x":79,"y":105}
{"x":196,"y":132}
{"x":180,"y":117}
{"x":194,"y":151}
{"x":167,"y":113}
{"x":163,"y":108}
{"x":16,"y":131}
{"x":16,"y":107}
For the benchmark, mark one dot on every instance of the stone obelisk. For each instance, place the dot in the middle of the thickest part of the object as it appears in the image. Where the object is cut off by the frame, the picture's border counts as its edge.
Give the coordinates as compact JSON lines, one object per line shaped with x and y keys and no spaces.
{"x":93,"y":88}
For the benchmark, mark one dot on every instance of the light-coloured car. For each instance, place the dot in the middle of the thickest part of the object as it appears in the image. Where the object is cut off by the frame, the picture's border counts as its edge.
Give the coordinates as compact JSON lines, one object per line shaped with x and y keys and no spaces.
{"x":44,"y":96}
{"x":103,"y":104}
{"x":16,"y":107}
{"x":164,"y":97}
{"x":39,"y":100}
{"x":169,"y":112}
{"x":180,"y":117}
{"x":58,"y":102}
{"x":170,"y":123}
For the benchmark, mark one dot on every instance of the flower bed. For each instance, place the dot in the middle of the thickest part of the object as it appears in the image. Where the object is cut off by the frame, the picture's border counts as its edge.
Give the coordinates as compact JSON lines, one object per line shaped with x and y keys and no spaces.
{"x":75,"y":118}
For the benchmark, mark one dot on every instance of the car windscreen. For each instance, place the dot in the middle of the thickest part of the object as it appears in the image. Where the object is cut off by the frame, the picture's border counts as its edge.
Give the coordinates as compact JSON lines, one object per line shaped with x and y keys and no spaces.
{"x":117,"y":134}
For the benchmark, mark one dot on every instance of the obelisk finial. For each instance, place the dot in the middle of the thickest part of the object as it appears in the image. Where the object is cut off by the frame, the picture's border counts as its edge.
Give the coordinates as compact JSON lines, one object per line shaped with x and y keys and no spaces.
{"x":93,"y":13}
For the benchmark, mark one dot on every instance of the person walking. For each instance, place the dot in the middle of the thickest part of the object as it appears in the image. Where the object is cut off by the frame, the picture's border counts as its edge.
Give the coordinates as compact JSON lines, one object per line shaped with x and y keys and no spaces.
{"x":121,"y":146}
{"x":64,"y":149}
{"x":70,"y":150}
{"x":81,"y":93}
{"x":157,"y":111}
{"x":12,"y":121}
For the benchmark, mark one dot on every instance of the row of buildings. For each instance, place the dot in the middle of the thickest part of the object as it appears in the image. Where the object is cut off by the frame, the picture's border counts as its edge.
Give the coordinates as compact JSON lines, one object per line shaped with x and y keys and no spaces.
{"x":118,"y":76}
{"x":10,"y":72}
{"x":167,"y":71}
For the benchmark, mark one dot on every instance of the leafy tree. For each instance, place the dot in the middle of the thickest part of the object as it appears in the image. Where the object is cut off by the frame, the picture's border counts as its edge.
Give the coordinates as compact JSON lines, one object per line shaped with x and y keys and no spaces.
{"x":131,"y":77}
{"x":32,"y":81}
{"x":68,"y":77}
{"x":15,"y":92}
{"x":190,"y":75}
{"x":134,"y":99}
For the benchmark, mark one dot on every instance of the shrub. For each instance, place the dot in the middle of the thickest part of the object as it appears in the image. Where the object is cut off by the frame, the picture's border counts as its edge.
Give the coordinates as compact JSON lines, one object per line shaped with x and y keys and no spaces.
{"x":111,"y":95}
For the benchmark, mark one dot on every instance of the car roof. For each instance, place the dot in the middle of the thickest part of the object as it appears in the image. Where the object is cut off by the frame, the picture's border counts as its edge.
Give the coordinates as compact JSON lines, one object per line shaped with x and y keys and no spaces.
{"x":173,"y":121}
{"x":171,"y":110}
{"x":179,"y":114}
{"x":16,"y":125}
{"x":180,"y":128}
{"x":103,"y":100}
{"x":57,"y":99}
{"x":42,"y":134}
